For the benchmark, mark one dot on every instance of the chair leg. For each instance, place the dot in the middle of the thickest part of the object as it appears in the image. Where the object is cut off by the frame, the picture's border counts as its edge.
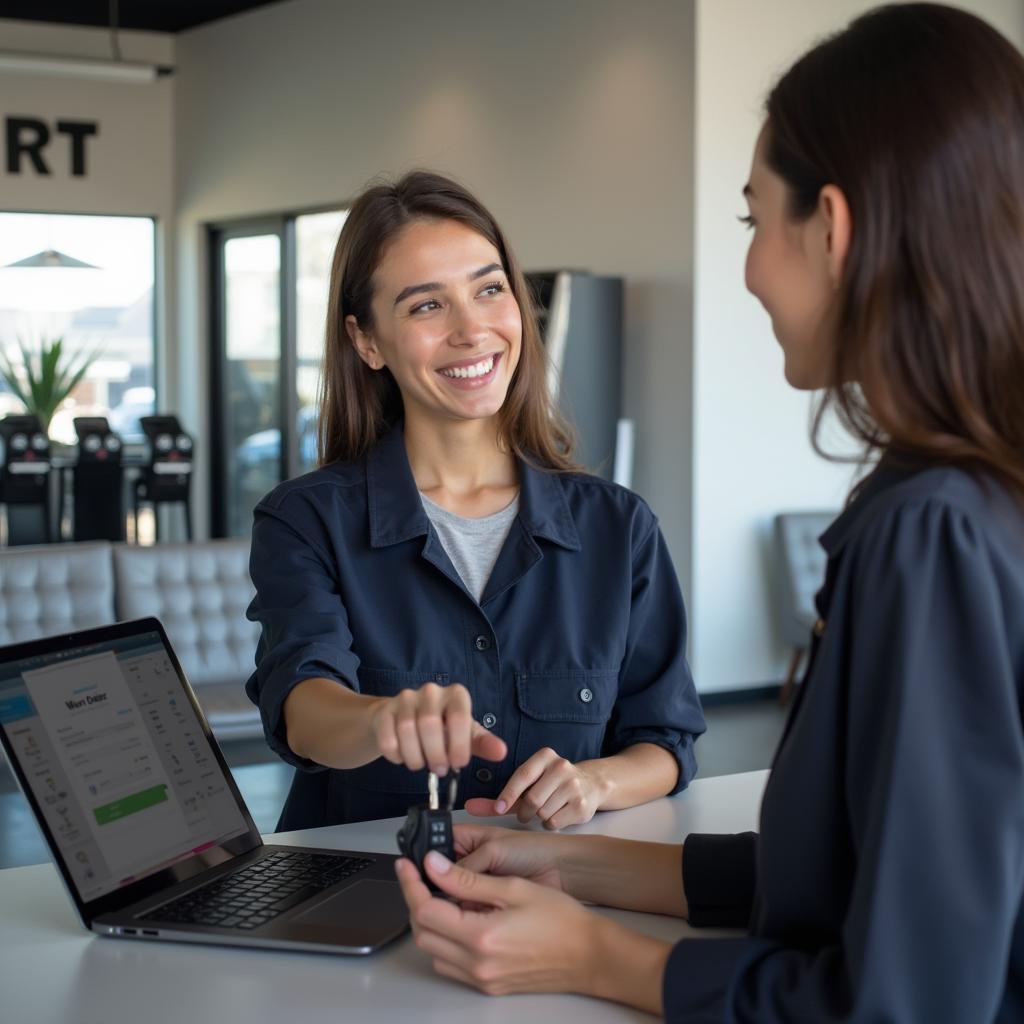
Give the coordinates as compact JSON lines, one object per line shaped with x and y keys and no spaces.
{"x":786,"y":693}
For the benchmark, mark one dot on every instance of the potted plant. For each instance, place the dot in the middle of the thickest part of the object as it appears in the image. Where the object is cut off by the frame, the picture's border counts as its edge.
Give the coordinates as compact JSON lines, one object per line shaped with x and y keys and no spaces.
{"x":44,"y":379}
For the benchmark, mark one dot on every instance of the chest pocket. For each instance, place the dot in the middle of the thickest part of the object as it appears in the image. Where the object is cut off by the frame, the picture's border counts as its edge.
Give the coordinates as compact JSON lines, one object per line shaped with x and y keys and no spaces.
{"x":386,"y":682}
{"x":567,"y":711}
{"x":381,"y":776}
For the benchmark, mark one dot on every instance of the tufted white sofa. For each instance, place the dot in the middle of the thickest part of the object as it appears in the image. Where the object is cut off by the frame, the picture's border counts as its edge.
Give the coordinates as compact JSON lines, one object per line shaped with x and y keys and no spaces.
{"x":54,"y":589}
{"x":199,"y":591}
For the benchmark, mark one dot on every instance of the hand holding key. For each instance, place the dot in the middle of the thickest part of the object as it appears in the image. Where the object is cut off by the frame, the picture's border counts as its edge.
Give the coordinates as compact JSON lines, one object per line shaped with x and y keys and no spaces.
{"x":433,"y":727}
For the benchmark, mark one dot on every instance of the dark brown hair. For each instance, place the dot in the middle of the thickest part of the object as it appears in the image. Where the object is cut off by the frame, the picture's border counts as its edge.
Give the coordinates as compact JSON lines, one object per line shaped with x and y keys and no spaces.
{"x":916,"y":112}
{"x":357,"y":404}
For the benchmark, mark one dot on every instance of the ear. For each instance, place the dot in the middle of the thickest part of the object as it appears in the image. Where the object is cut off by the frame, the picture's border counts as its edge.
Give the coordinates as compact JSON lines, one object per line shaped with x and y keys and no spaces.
{"x":363,"y":343}
{"x":834,"y":211}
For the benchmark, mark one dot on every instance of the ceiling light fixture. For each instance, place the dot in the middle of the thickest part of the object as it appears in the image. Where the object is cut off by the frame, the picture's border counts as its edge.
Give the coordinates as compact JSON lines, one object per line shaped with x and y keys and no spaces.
{"x":82,"y":67}
{"x":102,"y":69}
{"x":51,"y":258}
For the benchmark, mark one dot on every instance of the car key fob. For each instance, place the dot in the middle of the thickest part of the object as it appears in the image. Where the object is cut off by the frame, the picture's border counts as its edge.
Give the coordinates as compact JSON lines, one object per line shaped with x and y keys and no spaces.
{"x":429,"y":827}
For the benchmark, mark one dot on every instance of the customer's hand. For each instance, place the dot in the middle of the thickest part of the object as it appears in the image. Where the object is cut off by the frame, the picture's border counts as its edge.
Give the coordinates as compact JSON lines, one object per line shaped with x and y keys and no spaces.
{"x":529,"y":939}
{"x":433,"y":727}
{"x":503,"y":851}
{"x":549,"y":787}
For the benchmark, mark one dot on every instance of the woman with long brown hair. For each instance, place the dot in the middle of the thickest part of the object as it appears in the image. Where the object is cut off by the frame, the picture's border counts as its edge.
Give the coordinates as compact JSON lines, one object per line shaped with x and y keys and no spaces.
{"x":886,"y":199}
{"x":449,"y":590}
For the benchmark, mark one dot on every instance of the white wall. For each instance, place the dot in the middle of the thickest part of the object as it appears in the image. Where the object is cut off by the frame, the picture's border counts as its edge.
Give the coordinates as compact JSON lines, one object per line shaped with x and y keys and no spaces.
{"x":129,"y":168}
{"x":571,"y":120}
{"x":752,"y":457}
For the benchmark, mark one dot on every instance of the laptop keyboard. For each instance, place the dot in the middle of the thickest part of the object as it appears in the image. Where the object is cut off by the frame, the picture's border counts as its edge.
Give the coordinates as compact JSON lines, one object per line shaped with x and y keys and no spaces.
{"x":256,"y":894}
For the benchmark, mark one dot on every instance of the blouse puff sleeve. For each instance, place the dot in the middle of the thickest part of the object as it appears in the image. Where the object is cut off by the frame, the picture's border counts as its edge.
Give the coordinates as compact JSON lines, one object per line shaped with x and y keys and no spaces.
{"x":934,"y":768}
{"x":304,"y":628}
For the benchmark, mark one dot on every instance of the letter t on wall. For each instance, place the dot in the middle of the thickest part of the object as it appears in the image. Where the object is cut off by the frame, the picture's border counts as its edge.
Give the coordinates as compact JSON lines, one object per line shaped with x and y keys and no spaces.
{"x":79,"y":132}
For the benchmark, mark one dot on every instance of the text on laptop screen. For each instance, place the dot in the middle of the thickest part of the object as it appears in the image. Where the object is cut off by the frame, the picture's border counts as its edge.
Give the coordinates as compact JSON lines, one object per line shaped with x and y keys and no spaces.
{"x":117,"y":760}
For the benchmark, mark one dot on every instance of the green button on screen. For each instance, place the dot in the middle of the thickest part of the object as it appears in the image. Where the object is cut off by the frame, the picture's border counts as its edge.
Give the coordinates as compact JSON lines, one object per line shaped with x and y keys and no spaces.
{"x":106,"y":813}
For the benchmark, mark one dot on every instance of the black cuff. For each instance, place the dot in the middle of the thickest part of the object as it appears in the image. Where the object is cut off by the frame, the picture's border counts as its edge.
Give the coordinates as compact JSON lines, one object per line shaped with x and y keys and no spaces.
{"x":719,"y":878}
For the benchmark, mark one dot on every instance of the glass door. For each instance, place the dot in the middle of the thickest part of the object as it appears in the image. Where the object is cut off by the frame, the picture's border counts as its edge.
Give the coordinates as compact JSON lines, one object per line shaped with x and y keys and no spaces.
{"x":269,"y":300}
{"x":246,"y":437}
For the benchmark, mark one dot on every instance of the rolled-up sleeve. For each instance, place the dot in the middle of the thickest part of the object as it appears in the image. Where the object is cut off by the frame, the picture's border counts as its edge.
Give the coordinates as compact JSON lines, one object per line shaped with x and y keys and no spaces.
{"x":304,"y":627}
{"x":934,"y":772}
{"x":657,"y":700}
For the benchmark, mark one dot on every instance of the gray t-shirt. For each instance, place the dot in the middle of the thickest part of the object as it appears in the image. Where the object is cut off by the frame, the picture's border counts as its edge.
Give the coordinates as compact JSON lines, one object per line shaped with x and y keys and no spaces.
{"x":473,"y":545}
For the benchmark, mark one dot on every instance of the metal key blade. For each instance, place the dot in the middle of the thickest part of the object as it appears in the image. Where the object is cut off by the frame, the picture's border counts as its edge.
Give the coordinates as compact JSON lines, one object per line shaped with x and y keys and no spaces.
{"x":432,"y":799}
{"x":453,"y":789}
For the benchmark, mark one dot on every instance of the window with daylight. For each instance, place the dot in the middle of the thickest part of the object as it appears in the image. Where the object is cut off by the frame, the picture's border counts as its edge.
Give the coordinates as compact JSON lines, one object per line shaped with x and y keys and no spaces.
{"x":87,"y":281}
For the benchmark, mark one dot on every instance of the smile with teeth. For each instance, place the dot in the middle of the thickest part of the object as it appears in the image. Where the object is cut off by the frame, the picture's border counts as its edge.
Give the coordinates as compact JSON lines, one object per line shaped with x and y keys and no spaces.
{"x":480,"y":369}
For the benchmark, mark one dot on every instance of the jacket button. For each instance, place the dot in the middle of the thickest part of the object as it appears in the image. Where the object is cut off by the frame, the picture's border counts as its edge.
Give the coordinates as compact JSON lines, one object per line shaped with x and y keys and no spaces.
{"x":489,"y":721}
{"x":586,"y":695}
{"x":482,"y":643}
{"x":484,"y":775}
{"x":819,"y":627}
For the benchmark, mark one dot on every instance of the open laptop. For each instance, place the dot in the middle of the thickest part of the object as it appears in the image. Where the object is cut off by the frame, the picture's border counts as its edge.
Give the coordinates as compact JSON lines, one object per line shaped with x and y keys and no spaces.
{"x":144,"y":820}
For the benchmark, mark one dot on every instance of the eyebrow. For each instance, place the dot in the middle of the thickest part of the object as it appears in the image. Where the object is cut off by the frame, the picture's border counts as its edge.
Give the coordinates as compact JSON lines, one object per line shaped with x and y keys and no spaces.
{"x":435,"y":286}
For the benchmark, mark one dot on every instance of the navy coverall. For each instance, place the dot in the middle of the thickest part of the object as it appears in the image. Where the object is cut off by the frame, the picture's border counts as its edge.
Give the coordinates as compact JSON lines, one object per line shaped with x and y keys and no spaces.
{"x":578,"y":642}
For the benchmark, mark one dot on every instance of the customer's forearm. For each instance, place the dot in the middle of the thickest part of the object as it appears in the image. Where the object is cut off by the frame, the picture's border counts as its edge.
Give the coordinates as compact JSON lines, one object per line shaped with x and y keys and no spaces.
{"x":635,"y":775}
{"x":330,"y":724}
{"x":624,"y":873}
{"x":626,"y":967}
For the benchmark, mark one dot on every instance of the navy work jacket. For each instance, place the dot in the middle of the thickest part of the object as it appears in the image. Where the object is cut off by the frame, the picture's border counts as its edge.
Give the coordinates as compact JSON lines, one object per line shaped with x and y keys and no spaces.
{"x":888,"y":880}
{"x":578,"y":642}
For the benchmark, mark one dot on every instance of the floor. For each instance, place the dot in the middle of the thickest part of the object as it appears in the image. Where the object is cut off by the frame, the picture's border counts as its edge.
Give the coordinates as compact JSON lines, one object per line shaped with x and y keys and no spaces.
{"x":741,"y":737}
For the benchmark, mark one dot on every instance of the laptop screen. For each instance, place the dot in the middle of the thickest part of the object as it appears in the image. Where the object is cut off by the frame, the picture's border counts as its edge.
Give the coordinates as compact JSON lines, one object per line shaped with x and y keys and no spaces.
{"x":117,"y":760}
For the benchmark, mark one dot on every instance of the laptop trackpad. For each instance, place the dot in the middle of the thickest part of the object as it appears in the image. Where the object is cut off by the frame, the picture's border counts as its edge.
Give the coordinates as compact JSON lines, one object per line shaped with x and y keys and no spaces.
{"x":364,"y":901}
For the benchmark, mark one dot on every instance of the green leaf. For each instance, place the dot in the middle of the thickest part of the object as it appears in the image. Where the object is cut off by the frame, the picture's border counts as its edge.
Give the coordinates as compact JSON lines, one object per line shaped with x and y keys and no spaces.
{"x":47,"y":382}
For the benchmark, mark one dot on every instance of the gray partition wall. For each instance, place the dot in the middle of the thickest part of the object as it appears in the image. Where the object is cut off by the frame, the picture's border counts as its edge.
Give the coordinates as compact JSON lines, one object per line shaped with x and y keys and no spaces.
{"x":581,"y":324}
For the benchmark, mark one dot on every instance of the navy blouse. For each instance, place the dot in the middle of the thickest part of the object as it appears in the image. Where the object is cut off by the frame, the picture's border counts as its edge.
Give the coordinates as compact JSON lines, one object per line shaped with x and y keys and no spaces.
{"x":890,"y":865}
{"x":578,"y":642}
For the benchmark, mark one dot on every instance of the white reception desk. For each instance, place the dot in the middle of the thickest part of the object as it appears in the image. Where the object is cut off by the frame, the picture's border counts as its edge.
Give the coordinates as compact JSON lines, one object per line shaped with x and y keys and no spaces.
{"x":52,"y":970}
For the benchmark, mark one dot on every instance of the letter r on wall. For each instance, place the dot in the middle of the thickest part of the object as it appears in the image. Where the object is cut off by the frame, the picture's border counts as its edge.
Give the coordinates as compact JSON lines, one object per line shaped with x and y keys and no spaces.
{"x":28,"y":136}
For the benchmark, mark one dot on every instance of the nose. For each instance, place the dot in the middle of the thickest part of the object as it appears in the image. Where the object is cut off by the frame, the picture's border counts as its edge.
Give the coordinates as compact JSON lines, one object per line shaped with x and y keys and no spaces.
{"x":468,"y":326}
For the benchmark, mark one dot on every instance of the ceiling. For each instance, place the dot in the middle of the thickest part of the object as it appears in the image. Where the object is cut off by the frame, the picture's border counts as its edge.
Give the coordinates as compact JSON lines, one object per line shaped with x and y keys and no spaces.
{"x":150,"y":15}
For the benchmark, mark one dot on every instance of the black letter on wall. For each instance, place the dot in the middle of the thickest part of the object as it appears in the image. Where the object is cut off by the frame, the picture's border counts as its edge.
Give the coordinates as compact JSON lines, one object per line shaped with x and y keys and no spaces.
{"x":16,"y":144}
{"x":79,"y":131}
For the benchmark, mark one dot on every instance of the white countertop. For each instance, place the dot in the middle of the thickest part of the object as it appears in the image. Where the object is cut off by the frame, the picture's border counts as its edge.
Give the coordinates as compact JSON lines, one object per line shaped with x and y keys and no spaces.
{"x":52,"y":970}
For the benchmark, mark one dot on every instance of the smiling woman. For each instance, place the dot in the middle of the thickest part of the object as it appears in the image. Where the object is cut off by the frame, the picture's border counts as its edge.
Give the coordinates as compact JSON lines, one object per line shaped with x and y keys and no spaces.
{"x":452,"y":345}
{"x":434,"y":219}
{"x":448,"y":590}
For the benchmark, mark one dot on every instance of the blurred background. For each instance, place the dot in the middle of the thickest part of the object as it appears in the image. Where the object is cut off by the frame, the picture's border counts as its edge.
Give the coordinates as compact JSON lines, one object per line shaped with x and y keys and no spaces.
{"x":173,"y":186}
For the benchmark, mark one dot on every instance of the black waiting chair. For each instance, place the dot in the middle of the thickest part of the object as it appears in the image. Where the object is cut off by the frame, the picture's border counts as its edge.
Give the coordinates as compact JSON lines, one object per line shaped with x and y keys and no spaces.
{"x":166,"y":478}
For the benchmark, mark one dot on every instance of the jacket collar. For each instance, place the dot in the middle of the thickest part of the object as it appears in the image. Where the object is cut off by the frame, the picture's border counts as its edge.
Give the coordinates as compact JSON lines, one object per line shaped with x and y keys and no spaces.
{"x":891,"y":470}
{"x":396,"y":511}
